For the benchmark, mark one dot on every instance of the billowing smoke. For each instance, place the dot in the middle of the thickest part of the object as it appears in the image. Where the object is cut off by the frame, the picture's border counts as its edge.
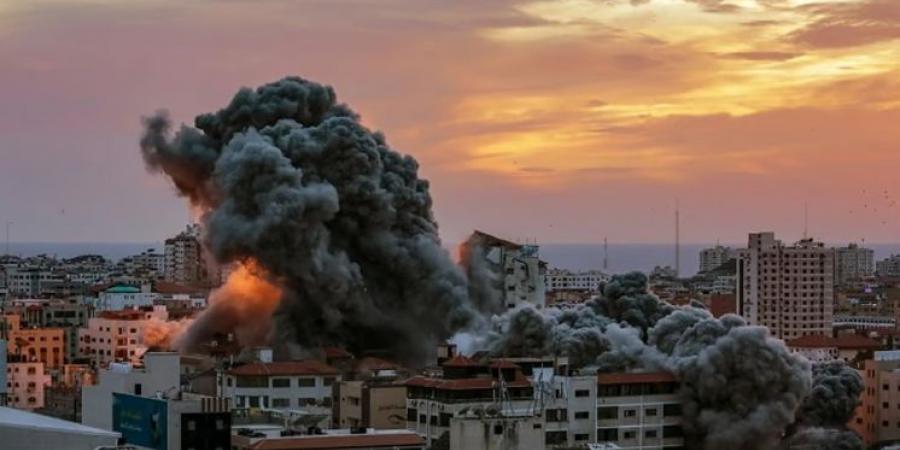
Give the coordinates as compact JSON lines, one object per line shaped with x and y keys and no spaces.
{"x":740,"y":388}
{"x":343,"y":223}
{"x":824,"y":414}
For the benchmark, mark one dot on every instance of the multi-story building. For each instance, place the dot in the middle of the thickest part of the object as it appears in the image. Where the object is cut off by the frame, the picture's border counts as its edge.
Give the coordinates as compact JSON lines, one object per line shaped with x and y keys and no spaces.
{"x":519,"y":272}
{"x":373,"y":398}
{"x":878,"y":414}
{"x":45,"y":345}
{"x":639,"y":411}
{"x":559,"y":279}
{"x":713,"y":257}
{"x":54,"y":313}
{"x":184,"y":262}
{"x":117,"y":336}
{"x":465,"y":385}
{"x":845,"y":347}
{"x":282,"y":385}
{"x":789,"y":289}
{"x":121,"y":296}
{"x":30,"y":282}
{"x":888,"y":267}
{"x":25,"y":383}
{"x":853,"y":263}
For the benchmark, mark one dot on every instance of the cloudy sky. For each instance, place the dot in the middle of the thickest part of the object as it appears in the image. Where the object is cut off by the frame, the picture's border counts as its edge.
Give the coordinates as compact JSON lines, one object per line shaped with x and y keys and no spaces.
{"x":555,"y":120}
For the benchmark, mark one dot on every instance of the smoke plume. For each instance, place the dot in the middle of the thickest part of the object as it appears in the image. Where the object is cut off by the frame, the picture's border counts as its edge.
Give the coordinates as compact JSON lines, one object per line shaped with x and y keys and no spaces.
{"x":740,"y":388}
{"x":343,"y":223}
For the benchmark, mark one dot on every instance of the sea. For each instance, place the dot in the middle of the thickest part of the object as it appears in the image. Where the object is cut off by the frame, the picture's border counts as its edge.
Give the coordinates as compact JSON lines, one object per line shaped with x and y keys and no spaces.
{"x":621,"y":258}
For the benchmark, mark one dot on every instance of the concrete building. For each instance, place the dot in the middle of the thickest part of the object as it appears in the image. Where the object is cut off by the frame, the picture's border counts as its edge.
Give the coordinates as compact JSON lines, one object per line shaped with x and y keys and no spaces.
{"x":465,"y":386}
{"x":175,"y":421}
{"x":888,"y":267}
{"x":569,"y":405}
{"x":877,"y":417}
{"x":638,"y":411}
{"x":519,"y":272}
{"x":45,"y":345}
{"x":282,"y":385}
{"x":853,"y":263}
{"x":789,"y":289}
{"x":26,"y":382}
{"x":21,"y":430}
{"x":713,"y":257}
{"x":160,"y":373}
{"x":184,"y":262}
{"x":373,"y":398}
{"x":117,"y":336}
{"x":54,"y":313}
{"x":845,"y":347}
{"x":270,"y":438}
{"x":119,"y":297}
{"x":559,"y":279}
{"x":476,"y":430}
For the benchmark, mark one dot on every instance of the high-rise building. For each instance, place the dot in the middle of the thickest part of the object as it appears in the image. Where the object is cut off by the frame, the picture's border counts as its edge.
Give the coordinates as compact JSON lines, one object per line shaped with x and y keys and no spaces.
{"x":852,"y":263}
{"x":878,"y":414}
{"x":184,"y":262}
{"x":789,"y":289}
{"x":519,"y":272}
{"x":713,"y":257}
{"x":889,"y":267}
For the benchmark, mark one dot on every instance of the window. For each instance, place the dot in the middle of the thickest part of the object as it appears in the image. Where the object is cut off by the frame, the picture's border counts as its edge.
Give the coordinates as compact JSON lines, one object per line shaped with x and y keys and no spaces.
{"x":670,"y":431}
{"x":555,"y":437}
{"x":672,"y":409}
{"x":328,"y":381}
{"x":498,"y":429}
{"x":650,"y":434}
{"x":281,"y":382}
{"x":630,"y":413}
{"x":422,"y":418}
{"x":582,"y":437}
{"x":252,"y":382}
{"x":306,"y":382}
{"x":582,"y":393}
{"x":582,"y":415}
{"x":137,"y":388}
{"x":281,"y":402}
{"x":445,"y":419}
{"x":411,"y":414}
{"x":607,"y":412}
{"x":607,"y":435}
{"x":629,"y":435}
{"x":650,"y":412}
{"x":557,"y":415}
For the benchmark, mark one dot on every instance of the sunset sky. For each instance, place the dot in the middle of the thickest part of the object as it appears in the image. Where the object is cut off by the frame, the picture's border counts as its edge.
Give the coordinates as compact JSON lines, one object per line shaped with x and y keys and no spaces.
{"x":558,"y":120}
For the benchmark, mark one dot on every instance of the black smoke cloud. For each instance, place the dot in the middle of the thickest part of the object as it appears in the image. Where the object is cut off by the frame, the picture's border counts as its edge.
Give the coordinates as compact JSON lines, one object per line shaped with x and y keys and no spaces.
{"x":289,"y":177}
{"x":740,"y":388}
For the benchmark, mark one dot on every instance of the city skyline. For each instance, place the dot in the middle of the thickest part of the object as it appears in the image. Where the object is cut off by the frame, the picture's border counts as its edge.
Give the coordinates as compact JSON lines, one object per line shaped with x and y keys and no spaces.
{"x":579,"y":118}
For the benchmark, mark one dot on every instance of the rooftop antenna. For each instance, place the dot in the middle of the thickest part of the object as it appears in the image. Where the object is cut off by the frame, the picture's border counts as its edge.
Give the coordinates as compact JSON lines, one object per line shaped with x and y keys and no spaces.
{"x":605,"y":254}
{"x":805,"y":220}
{"x":677,"y":241}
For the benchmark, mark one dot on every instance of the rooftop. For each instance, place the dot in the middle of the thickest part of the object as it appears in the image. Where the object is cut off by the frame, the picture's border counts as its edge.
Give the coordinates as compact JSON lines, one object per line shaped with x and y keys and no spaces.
{"x":321,"y":442}
{"x":843,"y":341}
{"x":16,"y":418}
{"x":461,"y":384}
{"x":307,"y":367}
{"x":635,"y":378}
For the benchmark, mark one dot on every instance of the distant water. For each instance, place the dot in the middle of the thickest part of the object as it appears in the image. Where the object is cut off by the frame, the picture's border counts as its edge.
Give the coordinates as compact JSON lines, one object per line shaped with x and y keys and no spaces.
{"x":622,"y":257}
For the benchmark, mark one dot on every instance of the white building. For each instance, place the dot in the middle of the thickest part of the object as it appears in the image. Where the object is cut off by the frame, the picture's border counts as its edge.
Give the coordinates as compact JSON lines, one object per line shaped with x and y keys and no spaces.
{"x":21,"y":430}
{"x":889,"y":267}
{"x":117,"y":336}
{"x":160,"y":373}
{"x":789,"y":289}
{"x":559,"y":279}
{"x":518,"y":270}
{"x":282,"y":385}
{"x":853,"y":263}
{"x":713,"y":257}
{"x":115,"y":298}
{"x":570,"y":408}
{"x":474,"y":430}
{"x":639,"y":411}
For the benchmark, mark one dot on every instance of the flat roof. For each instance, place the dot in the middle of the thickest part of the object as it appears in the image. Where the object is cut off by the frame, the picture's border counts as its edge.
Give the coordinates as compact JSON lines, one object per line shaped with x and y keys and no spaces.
{"x":326,"y":442}
{"x":16,"y":418}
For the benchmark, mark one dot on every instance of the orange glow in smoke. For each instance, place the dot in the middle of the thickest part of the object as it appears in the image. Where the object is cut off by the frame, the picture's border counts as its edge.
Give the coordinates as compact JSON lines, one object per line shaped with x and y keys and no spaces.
{"x":243,"y":305}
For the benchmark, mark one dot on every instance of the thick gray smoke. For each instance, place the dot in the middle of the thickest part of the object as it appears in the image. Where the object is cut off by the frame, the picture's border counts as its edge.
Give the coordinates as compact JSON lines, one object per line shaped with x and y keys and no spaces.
{"x":289,"y":178}
{"x":827,"y":409}
{"x":741,"y":389}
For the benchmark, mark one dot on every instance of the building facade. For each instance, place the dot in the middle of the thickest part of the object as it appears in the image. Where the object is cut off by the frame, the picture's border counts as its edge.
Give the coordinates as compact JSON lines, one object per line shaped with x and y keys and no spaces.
{"x":282,"y":385}
{"x":117,"y":336}
{"x":713,"y":257}
{"x":519,"y":274}
{"x":559,"y":279}
{"x":888,"y":267}
{"x":853,"y":263}
{"x":788,"y":289}
{"x":184,"y":262}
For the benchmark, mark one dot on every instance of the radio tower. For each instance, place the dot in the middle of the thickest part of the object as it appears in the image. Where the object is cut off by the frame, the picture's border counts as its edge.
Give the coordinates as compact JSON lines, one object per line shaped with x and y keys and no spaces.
{"x":677,"y":243}
{"x":605,"y":255}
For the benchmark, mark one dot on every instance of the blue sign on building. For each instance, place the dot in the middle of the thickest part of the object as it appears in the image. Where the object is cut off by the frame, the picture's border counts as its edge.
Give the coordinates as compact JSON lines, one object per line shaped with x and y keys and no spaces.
{"x":141,"y":420}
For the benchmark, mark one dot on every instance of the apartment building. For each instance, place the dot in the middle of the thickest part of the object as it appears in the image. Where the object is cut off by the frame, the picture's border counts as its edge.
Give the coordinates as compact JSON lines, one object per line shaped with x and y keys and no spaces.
{"x":853,"y":263}
{"x":45,"y":345}
{"x":888,"y":267}
{"x":54,"y":313}
{"x":565,"y":280}
{"x":639,"y":411}
{"x":117,"y":336}
{"x":789,"y":289}
{"x":373,"y":398}
{"x":184,"y":262}
{"x":877,"y":418}
{"x":713,"y":257}
{"x":844,"y":347}
{"x":520,"y":273}
{"x":26,"y":382}
{"x":285,"y":385}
